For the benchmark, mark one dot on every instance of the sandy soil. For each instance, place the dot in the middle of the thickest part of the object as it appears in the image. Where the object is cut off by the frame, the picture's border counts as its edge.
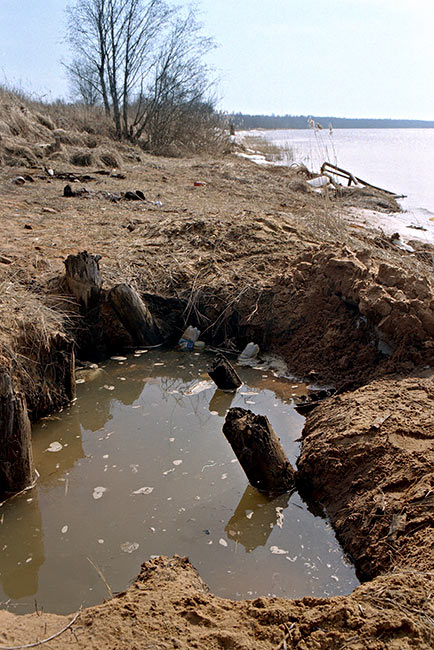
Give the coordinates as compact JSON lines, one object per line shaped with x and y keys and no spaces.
{"x":254,"y":255}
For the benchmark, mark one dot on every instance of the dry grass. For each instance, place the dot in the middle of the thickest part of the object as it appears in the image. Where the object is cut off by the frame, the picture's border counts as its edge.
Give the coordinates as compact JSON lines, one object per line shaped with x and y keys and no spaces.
{"x":272,"y":152}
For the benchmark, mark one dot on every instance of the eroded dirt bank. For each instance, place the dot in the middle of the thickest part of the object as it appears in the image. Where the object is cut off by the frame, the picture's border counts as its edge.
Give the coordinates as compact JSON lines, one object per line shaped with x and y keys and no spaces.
{"x":253,"y":254}
{"x":169,"y":606}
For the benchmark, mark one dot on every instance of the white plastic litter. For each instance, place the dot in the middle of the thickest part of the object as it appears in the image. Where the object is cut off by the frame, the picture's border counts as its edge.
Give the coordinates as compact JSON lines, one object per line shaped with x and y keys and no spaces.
{"x":98,"y":492}
{"x":54,"y":447}
{"x":320,"y":181}
{"x":251,"y":351}
{"x":189,"y":338}
{"x":144,"y":490}
{"x":129,"y":547}
{"x":278,"y":551}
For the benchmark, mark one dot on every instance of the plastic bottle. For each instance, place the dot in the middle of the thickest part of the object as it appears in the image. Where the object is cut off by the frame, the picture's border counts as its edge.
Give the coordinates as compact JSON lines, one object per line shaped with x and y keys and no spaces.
{"x":250,"y":352}
{"x":189,"y":338}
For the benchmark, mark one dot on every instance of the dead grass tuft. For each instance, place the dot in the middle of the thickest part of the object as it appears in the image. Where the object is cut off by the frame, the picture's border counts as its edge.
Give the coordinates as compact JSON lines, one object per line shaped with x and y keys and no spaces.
{"x":108,"y":158}
{"x":82,"y":158}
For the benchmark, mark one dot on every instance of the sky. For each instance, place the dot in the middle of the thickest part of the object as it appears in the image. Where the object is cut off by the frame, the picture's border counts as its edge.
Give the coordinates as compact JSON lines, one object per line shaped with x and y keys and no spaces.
{"x":343,"y":58}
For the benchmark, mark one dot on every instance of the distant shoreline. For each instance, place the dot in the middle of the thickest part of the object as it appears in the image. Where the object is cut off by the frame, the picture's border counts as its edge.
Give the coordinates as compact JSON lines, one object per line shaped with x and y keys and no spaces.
{"x":273,"y":122}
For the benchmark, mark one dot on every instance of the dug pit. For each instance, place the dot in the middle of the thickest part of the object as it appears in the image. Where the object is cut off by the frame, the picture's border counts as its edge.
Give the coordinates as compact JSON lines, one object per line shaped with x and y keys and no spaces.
{"x":138,"y":467}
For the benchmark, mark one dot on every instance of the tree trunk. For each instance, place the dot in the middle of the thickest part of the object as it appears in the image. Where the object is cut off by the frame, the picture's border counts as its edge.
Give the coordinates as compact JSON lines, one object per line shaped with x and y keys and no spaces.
{"x":134,"y":315}
{"x":83,"y":279}
{"x":259,"y":451}
{"x":16,"y":457}
{"x":223,"y":374}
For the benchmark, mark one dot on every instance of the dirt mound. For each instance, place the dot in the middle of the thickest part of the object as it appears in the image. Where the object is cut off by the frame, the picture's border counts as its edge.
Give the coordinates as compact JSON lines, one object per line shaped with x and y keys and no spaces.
{"x":368,"y":456}
{"x":169,"y":606}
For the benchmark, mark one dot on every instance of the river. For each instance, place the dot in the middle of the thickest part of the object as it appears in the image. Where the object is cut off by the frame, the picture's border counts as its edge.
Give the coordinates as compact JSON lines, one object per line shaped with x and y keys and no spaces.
{"x":400,"y":160}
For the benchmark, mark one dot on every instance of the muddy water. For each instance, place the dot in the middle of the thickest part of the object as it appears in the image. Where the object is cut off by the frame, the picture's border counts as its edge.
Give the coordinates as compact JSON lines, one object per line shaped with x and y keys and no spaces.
{"x":137,"y":467}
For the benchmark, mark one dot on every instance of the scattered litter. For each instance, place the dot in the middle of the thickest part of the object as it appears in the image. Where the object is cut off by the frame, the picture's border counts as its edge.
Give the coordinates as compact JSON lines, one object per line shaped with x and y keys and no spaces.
{"x":118,"y":358}
{"x":144,"y":490}
{"x":159,"y":363}
{"x":222,"y":542}
{"x":280,"y":516}
{"x":54,"y":447}
{"x":29,"y":559}
{"x":199,"y":345}
{"x":199,"y":183}
{"x":320,"y":181}
{"x":171,"y":439}
{"x":134,"y":468}
{"x":250,"y":401}
{"x":177,"y":462}
{"x":64,"y":530}
{"x":405,"y":247}
{"x":98,"y":492}
{"x":129,"y":547}
{"x":251,"y":351}
{"x":211,"y":463}
{"x":223,"y":477}
{"x":18,"y":180}
{"x":168,"y":471}
{"x":277,"y":551}
{"x":109,"y":387}
{"x":199,"y":387}
{"x":80,"y":381}
{"x":189,"y":338}
{"x":249,"y":515}
{"x":291,"y":559}
{"x":100,"y":541}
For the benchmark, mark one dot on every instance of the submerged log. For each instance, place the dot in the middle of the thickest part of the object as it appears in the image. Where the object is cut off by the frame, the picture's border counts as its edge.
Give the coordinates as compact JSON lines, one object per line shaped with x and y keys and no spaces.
{"x":83,"y":278}
{"x":223,"y":374}
{"x":259,"y":451}
{"x":134,"y":315}
{"x":16,"y":458}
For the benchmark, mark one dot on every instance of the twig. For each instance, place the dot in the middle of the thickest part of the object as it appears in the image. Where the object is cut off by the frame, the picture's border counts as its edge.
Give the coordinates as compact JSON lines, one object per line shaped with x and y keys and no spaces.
{"x":50,"y":638}
{"x":101,"y":575}
{"x":26,"y":489}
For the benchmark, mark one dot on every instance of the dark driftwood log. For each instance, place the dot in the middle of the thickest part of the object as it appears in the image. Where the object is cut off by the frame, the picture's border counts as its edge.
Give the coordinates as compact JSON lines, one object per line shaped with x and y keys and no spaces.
{"x":223,"y":374}
{"x":83,"y":278}
{"x":259,"y":451}
{"x":16,"y":458}
{"x":134,"y":315}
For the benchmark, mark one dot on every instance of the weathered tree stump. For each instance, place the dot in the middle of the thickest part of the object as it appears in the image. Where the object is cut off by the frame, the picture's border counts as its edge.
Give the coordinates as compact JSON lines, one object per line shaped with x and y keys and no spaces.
{"x":223,"y":374}
{"x":259,"y":451}
{"x":134,"y":315}
{"x":83,"y":279}
{"x":16,"y":457}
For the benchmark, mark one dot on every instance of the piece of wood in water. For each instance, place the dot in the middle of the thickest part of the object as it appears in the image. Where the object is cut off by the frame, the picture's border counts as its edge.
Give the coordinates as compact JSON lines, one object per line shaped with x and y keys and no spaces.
{"x":16,"y":457}
{"x":259,"y":451}
{"x":223,"y":374}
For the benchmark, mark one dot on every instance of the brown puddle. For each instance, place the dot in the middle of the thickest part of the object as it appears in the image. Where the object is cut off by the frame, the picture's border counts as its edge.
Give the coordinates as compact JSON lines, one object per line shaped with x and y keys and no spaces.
{"x":139,"y":467}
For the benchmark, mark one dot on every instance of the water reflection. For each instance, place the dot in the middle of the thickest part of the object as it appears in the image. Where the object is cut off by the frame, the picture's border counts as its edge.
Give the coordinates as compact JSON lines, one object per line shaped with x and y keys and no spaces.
{"x":21,"y":556}
{"x":255,"y":517}
{"x":221,"y":402}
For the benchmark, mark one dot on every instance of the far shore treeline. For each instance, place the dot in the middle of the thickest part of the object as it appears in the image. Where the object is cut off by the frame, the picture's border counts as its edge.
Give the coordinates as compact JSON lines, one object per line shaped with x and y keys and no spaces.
{"x":241,"y":121}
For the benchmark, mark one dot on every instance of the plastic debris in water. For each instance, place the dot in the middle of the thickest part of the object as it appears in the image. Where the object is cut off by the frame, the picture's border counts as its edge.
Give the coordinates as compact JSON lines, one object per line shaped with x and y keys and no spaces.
{"x":109,"y":387}
{"x":80,"y":381}
{"x":55,"y":446}
{"x":118,"y":358}
{"x":177,"y":462}
{"x":144,"y":490}
{"x":64,"y":530}
{"x":222,"y":542}
{"x":277,"y":551}
{"x":98,"y":492}
{"x":129,"y":547}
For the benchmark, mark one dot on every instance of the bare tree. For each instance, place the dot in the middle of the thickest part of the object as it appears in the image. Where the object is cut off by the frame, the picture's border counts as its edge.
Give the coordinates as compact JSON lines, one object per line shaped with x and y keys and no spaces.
{"x":143,"y":59}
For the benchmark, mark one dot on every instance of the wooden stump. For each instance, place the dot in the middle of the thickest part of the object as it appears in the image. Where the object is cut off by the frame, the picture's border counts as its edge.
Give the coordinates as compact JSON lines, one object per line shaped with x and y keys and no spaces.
{"x":259,"y":451}
{"x":223,"y":374}
{"x":16,"y":458}
{"x":83,"y":279}
{"x":134,"y":315}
